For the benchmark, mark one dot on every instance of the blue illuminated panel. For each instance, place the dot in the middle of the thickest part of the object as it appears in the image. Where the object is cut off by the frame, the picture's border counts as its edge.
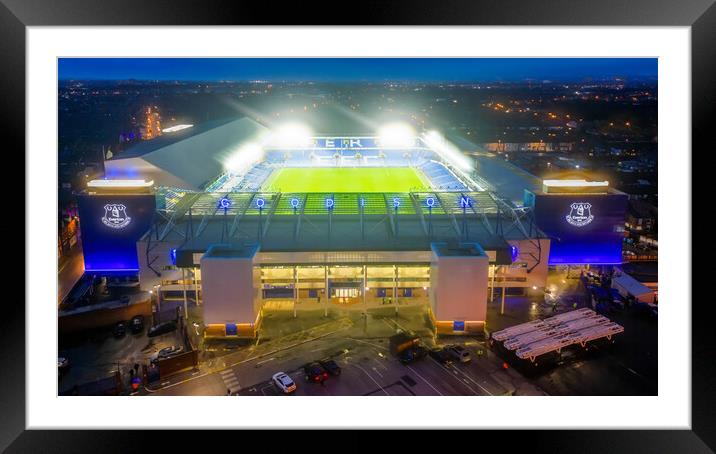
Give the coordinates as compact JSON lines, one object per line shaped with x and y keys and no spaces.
{"x":583,"y":228}
{"x":110,"y":227}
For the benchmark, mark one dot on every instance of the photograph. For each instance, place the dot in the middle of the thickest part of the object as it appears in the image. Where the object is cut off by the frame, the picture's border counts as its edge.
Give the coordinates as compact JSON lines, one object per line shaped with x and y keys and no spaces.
{"x":416,"y":217}
{"x":357,"y":226}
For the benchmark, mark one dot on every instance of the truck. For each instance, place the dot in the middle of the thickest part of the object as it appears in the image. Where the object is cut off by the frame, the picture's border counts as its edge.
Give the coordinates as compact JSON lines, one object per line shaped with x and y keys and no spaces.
{"x":403,"y":341}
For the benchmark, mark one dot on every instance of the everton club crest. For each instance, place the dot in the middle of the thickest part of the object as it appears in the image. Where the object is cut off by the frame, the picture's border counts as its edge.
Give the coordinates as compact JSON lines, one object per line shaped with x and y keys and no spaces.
{"x":115,"y":216}
{"x":580,"y":215}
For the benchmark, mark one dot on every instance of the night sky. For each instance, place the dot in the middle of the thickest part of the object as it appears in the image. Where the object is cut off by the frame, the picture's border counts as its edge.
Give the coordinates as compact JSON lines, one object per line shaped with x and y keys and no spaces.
{"x":355,"y":69}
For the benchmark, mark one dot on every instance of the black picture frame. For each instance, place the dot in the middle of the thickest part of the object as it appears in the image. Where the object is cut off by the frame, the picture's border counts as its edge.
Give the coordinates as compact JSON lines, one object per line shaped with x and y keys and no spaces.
{"x":700,"y":15}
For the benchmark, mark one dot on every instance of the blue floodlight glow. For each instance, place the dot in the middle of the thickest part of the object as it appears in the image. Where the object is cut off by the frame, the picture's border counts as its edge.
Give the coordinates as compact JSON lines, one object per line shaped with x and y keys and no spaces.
{"x":430,"y":202}
{"x":593,"y":236}
{"x":107,"y":249}
{"x":225,"y":203}
{"x":396,"y":202}
{"x":330,"y":203}
{"x":173,"y":256}
{"x":260,"y":202}
{"x":465,"y":202}
{"x":515,"y":252}
{"x":295,"y":202}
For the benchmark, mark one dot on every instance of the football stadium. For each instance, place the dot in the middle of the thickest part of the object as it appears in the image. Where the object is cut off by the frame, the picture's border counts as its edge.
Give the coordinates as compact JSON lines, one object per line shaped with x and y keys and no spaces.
{"x":241,"y":217}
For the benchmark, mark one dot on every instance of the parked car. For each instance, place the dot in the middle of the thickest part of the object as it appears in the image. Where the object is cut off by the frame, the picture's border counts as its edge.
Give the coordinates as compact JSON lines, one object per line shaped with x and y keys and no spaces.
{"x":441,"y":355}
{"x":331,"y":367}
{"x":167,"y":352}
{"x":162,"y":328}
{"x":120,"y":329}
{"x":137,"y":324}
{"x":315,"y":373}
{"x":412,"y":354}
{"x":459,"y":353}
{"x":283,"y":382}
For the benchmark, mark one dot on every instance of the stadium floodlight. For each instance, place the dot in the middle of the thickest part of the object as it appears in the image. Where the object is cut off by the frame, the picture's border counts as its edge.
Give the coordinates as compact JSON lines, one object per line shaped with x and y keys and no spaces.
{"x":575,"y":183}
{"x":120,"y":184}
{"x":243,"y":158}
{"x":447,"y":150}
{"x":292,"y":135}
{"x":176,"y":128}
{"x":396,"y":135}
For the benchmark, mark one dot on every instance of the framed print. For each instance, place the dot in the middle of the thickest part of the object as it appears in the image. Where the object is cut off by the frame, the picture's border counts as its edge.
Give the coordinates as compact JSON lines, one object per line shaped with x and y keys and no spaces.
{"x":415,"y":218}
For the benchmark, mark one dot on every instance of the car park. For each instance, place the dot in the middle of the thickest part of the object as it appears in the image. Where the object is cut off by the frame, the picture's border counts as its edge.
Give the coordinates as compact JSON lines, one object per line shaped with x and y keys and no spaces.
{"x":459,"y":353}
{"x":283,"y":382}
{"x":331,"y":367}
{"x":162,"y":328}
{"x":137,"y":324}
{"x":441,"y":355}
{"x":120,"y":329}
{"x":315,"y":372}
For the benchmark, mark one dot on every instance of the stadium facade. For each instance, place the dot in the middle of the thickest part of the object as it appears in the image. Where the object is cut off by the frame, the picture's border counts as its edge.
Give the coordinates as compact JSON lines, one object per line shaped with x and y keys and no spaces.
{"x":239,"y":217}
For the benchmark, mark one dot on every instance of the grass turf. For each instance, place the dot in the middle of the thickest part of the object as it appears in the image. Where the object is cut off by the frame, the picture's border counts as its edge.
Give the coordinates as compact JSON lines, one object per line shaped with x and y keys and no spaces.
{"x":344,"y":179}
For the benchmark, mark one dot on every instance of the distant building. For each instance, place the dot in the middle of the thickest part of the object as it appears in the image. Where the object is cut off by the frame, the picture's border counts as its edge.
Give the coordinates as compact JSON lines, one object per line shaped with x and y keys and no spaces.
{"x":641,"y":216}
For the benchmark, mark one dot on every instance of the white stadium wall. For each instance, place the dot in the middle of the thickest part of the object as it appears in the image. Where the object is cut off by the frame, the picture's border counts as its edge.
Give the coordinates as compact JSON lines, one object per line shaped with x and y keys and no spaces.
{"x":228,"y":290}
{"x":459,"y":292}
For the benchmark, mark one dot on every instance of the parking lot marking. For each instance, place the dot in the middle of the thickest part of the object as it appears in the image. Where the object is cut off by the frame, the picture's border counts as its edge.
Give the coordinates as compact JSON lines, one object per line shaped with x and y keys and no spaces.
{"x":423,"y":379}
{"x":371,"y":377}
{"x":470,"y":378}
{"x":453,"y":375}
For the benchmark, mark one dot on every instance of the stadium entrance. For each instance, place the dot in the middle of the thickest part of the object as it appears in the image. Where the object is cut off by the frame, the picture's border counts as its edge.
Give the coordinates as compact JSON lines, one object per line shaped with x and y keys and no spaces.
{"x":348,"y":286}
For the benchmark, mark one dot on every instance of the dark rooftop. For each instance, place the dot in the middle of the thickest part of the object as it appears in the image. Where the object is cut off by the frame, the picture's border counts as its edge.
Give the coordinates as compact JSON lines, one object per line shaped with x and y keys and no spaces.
{"x":167,"y":139}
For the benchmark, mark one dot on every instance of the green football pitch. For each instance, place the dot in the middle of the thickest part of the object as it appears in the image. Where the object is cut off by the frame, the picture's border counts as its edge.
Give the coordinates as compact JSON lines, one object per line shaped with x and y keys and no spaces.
{"x":344,"y":179}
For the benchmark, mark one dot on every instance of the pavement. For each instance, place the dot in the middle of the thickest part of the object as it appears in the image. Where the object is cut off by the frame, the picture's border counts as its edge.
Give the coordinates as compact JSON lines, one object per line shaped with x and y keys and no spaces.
{"x":626,"y":367}
{"x":367,"y":366}
{"x":358,"y":341}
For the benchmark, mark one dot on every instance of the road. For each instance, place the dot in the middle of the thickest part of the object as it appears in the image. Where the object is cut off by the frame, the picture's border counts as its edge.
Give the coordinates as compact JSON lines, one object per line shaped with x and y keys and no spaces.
{"x":367,"y":369}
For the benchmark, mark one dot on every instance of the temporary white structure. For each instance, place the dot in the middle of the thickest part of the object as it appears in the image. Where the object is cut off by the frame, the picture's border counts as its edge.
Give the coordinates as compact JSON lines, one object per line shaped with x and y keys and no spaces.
{"x":628,"y":286}
{"x":539,"y":337}
{"x":518,"y":329}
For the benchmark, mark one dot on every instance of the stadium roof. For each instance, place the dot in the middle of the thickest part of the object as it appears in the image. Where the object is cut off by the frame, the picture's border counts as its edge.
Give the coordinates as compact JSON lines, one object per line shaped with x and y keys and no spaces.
{"x":505,"y":178}
{"x":187,"y":159}
{"x":370,"y":232}
{"x":502,"y":177}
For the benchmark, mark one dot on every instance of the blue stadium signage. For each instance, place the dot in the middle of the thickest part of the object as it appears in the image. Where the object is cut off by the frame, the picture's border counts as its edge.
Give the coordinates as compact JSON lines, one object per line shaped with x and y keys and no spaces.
{"x":347,"y":143}
{"x":225,"y":203}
